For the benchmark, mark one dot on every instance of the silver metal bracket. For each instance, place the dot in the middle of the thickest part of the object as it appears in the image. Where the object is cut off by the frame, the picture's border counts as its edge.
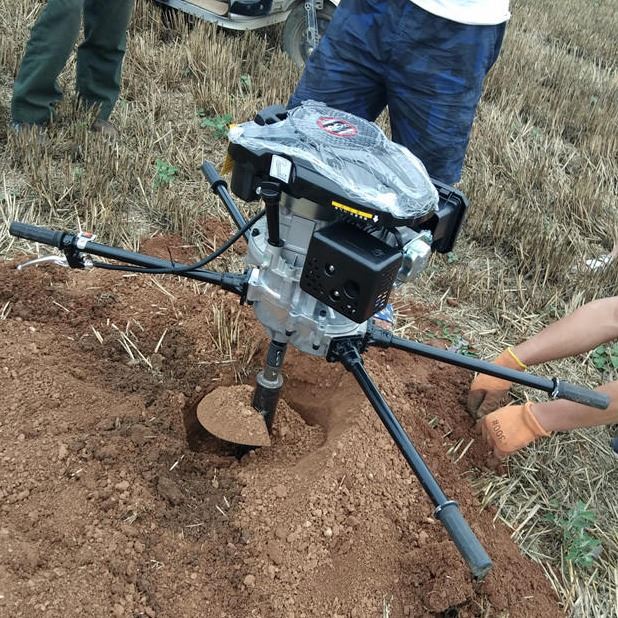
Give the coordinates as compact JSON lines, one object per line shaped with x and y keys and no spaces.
{"x":439,"y":508}
{"x":83,"y":238}
{"x":54,"y":260}
{"x":556,"y":392}
{"x":313,"y":37}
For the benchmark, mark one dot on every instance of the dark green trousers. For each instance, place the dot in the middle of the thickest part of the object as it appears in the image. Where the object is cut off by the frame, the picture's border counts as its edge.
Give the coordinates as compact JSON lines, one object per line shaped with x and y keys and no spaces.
{"x":99,"y":57}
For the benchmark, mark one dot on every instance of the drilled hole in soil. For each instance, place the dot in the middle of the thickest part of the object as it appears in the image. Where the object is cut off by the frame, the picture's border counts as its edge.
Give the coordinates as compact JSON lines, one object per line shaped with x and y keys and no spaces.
{"x":224,"y":421}
{"x":321,"y":393}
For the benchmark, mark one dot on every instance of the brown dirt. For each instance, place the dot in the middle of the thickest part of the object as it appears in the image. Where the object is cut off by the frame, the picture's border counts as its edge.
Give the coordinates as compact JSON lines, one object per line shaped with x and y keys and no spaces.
{"x":108,"y":507}
{"x":239,"y":423}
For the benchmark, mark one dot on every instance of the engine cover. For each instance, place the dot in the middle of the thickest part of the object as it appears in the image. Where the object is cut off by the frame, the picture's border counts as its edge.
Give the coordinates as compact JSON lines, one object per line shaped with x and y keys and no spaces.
{"x":350,"y":271}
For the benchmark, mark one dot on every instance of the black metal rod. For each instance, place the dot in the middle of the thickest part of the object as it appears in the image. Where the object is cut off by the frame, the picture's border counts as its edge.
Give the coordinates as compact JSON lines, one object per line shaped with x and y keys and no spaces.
{"x":232,"y":282}
{"x":397,"y":432}
{"x":447,"y":511}
{"x":219,"y":186}
{"x":70,"y":243}
{"x":557,"y":389}
{"x":230,"y":205}
{"x":271,"y":194}
{"x":269,"y":383}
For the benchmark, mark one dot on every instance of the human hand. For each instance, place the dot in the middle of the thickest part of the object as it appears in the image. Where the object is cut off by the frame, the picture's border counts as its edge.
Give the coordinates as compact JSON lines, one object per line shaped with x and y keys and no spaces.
{"x":488,"y":393}
{"x":510,"y":428}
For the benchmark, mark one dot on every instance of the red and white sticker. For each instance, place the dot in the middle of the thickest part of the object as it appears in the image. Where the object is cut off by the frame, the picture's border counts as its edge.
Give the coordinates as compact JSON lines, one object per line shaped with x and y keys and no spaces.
{"x":337,"y":126}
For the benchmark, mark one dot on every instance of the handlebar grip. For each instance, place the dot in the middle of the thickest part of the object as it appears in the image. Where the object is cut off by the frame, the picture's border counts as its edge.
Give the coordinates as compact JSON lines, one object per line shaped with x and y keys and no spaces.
{"x":465,"y":540}
{"x":212,"y":175}
{"x":36,"y":234}
{"x":580,"y":394}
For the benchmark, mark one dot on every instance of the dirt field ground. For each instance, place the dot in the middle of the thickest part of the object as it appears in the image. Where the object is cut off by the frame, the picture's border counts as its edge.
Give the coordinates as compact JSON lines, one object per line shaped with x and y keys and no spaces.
{"x":112,"y":503}
{"x":109,"y":507}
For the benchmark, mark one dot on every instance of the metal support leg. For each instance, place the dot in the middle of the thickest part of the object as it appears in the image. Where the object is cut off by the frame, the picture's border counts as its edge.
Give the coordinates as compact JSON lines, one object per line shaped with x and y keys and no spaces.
{"x":555,"y":388}
{"x":447,"y":511}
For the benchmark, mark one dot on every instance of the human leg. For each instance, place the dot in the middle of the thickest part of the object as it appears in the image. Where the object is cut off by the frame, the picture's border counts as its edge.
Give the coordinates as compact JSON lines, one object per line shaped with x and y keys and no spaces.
{"x":100,"y":56}
{"x":434,"y":83}
{"x":346,"y":69}
{"x":52,"y":39}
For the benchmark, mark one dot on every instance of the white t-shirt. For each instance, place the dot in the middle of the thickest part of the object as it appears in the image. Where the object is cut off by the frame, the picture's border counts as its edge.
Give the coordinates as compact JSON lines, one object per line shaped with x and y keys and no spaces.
{"x":472,"y":12}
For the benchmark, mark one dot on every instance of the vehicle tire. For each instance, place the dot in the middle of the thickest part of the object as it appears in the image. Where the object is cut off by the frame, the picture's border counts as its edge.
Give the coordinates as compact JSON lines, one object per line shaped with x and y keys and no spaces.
{"x":294,"y":39}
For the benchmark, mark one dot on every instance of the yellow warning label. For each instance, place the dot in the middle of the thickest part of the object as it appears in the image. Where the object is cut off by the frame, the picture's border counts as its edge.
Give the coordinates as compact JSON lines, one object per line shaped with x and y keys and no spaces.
{"x":227,"y":166}
{"x":354,"y":211}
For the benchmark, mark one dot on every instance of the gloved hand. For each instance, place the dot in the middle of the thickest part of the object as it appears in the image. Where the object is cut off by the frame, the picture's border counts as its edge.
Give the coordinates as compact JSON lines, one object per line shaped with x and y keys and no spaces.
{"x":488,"y":393}
{"x":510,"y":428}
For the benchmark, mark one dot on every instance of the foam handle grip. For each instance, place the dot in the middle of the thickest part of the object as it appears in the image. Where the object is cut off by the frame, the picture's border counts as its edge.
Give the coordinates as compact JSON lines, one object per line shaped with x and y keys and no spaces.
{"x":465,"y":540}
{"x":212,"y":175}
{"x":585,"y":396}
{"x":36,"y":234}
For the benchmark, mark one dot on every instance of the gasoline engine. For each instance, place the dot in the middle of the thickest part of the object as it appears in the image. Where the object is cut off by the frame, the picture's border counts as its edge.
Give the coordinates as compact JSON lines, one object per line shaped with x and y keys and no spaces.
{"x":349,"y":216}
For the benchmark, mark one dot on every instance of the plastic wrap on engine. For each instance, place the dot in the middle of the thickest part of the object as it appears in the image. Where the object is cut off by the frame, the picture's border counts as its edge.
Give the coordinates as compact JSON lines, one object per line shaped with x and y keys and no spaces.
{"x":350,"y":151}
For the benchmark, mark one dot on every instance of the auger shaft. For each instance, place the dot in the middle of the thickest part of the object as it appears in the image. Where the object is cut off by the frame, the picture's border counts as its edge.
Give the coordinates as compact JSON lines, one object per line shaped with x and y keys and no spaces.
{"x":269,"y":382}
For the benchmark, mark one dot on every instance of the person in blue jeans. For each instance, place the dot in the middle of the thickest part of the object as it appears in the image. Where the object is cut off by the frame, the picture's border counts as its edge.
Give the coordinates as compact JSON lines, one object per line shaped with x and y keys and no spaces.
{"x":426,"y":60}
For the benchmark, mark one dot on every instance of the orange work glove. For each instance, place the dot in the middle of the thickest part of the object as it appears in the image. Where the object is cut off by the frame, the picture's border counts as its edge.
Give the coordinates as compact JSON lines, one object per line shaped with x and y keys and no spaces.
{"x":510,"y":428}
{"x":488,"y":393}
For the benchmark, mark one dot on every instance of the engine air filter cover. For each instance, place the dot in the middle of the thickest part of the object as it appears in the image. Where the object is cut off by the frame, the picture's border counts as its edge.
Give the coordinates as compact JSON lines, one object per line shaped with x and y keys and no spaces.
{"x":350,"y":271}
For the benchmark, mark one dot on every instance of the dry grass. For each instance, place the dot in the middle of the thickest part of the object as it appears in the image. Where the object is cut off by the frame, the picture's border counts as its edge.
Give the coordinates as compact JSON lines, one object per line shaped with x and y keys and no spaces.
{"x":541,"y":172}
{"x":233,"y":343}
{"x":170,"y":79}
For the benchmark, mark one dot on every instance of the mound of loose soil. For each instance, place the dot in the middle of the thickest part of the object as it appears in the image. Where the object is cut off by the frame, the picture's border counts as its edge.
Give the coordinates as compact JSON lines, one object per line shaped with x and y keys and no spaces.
{"x":112,"y":504}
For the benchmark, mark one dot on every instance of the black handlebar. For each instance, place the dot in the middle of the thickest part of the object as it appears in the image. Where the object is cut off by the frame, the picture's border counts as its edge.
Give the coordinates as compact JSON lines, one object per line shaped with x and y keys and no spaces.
{"x":37,"y":234}
{"x":580,"y":394}
{"x":465,"y":540}
{"x":219,"y":187}
{"x":72,"y":244}
{"x":555,"y":388}
{"x":212,"y":175}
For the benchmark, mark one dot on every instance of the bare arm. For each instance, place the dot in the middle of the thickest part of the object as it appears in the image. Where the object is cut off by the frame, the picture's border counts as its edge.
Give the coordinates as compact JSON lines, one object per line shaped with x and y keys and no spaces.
{"x":583,"y":330}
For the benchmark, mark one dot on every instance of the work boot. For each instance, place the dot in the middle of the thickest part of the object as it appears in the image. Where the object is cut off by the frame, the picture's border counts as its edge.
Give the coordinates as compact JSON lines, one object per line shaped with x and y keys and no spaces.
{"x":105,"y":128}
{"x":25,"y":130}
